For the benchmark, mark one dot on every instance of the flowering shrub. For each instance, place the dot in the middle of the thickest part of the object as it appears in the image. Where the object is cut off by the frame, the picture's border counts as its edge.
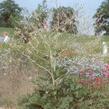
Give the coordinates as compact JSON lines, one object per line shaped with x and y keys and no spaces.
{"x":106,"y":71}
{"x":90,"y":70}
{"x":57,"y":84}
{"x":67,"y":92}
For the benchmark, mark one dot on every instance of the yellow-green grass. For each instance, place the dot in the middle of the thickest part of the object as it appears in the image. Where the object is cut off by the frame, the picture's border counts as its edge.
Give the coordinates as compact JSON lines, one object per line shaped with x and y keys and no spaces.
{"x":86,"y":45}
{"x":9,"y":30}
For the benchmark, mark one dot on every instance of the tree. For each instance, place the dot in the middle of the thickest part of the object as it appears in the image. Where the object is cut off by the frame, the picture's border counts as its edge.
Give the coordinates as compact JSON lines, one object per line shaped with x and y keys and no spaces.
{"x":39,"y":16}
{"x":64,"y":20}
{"x":102,"y":18}
{"x":10,"y":12}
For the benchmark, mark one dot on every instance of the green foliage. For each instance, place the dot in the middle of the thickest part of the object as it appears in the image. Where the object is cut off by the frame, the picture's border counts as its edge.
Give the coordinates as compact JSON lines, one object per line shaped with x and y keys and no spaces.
{"x":39,"y":16}
{"x":9,"y":30}
{"x":29,"y":26}
{"x":24,"y":31}
{"x":102,"y":18}
{"x":66,"y":94}
{"x":55,"y":88}
{"x":64,"y":20}
{"x":10,"y":12}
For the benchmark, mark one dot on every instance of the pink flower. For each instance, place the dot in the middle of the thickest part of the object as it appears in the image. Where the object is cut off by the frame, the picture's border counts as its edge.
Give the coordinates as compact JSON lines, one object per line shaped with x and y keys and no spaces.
{"x":106,"y":74}
{"x":107,"y":67}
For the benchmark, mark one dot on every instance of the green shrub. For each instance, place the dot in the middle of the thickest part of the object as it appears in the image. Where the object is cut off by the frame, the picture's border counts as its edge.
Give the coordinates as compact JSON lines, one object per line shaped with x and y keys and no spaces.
{"x":65,"y":94}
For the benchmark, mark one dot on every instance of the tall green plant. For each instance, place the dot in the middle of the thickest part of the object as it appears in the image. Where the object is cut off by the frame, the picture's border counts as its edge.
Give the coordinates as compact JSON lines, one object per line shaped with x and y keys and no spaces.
{"x":55,"y":88}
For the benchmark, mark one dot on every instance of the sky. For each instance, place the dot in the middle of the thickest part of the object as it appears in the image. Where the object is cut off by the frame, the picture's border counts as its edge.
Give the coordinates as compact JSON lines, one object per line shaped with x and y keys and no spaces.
{"x":87,"y":8}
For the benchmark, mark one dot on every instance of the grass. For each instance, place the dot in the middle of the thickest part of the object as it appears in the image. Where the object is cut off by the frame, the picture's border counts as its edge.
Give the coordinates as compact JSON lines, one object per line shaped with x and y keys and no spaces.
{"x":86,"y":45}
{"x":4,"y":29}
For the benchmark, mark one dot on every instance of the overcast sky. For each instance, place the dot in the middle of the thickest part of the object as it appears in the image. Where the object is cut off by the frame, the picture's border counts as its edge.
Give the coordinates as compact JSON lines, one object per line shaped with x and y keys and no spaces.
{"x":88,"y":8}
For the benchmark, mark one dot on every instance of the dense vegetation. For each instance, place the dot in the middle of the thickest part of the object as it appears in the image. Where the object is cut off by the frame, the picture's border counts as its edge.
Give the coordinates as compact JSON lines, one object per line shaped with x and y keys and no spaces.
{"x":52,"y":67}
{"x":10,"y":13}
{"x":64,"y":20}
{"x":52,"y":62}
{"x":102,"y":16}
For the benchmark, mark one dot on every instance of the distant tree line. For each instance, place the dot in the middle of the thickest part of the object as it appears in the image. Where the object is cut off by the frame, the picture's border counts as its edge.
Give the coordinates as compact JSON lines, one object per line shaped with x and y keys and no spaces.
{"x":10,"y":12}
{"x":102,"y":18}
{"x":63,"y":18}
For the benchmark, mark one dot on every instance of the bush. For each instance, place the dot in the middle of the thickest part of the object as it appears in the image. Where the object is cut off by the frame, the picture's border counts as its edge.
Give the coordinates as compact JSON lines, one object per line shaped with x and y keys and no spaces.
{"x":65,"y":94}
{"x":57,"y":85}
